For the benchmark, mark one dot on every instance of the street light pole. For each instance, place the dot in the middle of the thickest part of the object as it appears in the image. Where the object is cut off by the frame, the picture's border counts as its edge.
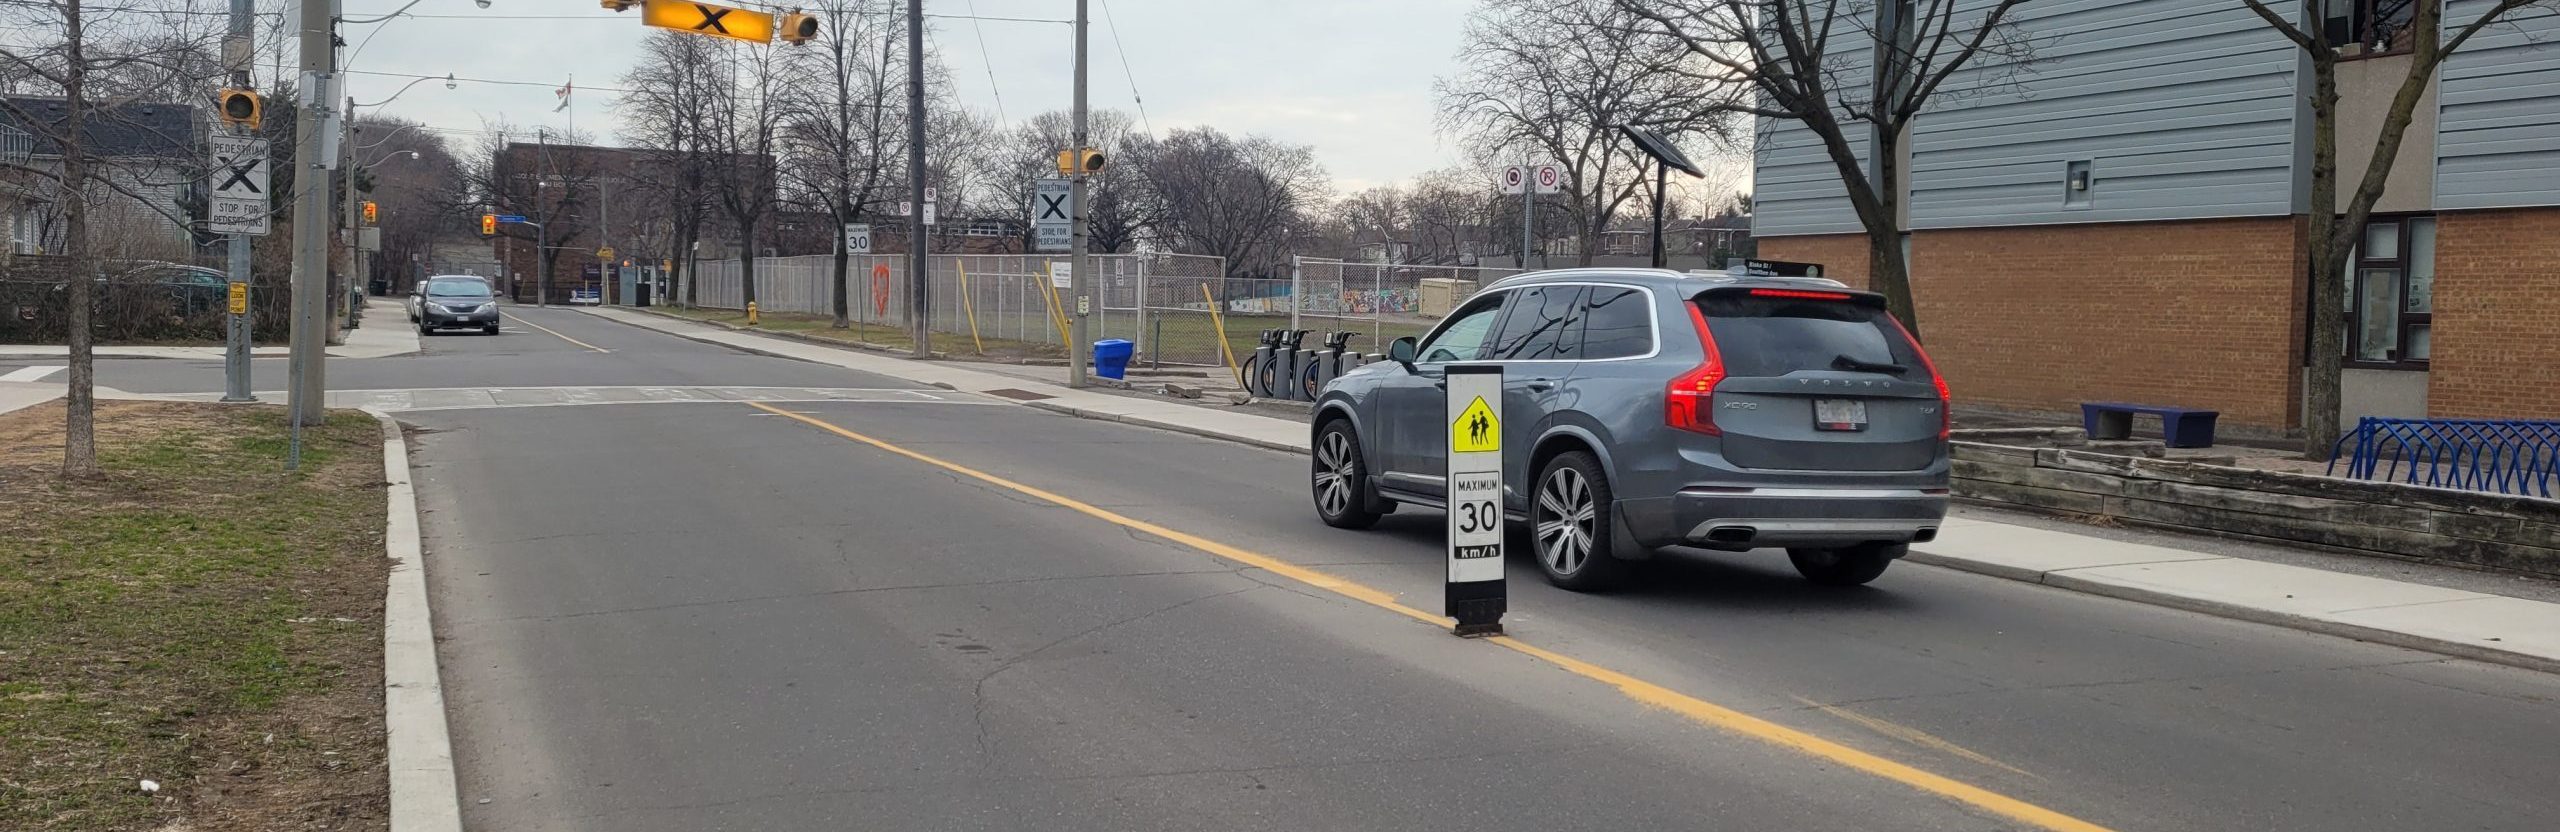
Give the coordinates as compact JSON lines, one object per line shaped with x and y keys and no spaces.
{"x":1080,"y":280}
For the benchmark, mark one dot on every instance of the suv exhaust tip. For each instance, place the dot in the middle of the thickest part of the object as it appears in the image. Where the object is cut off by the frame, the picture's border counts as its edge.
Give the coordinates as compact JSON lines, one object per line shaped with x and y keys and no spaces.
{"x":1734,"y":535}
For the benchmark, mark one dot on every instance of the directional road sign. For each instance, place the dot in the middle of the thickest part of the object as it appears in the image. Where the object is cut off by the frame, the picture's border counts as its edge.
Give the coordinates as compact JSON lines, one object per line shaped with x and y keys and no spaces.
{"x":1053,"y":214}
{"x":1474,"y":594}
{"x":708,"y":19}
{"x":239,"y":203}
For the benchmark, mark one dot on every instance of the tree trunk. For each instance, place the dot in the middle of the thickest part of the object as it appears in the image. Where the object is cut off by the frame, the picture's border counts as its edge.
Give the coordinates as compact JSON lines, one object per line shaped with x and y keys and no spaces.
{"x":80,"y":404}
{"x":2327,"y":245}
{"x":844,"y":265}
{"x":1888,"y":274}
{"x":746,"y":261}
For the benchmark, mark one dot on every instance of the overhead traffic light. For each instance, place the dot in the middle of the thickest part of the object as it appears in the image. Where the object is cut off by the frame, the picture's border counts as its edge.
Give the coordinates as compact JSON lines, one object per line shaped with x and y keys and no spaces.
{"x":488,"y":225}
{"x":1072,"y":162}
{"x":799,"y":28}
{"x":238,"y":106}
{"x":370,"y":212}
{"x":619,"y":5}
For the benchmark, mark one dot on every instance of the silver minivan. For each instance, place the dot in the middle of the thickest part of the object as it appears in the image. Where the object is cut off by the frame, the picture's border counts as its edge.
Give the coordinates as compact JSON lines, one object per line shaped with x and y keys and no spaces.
{"x":1645,"y":408}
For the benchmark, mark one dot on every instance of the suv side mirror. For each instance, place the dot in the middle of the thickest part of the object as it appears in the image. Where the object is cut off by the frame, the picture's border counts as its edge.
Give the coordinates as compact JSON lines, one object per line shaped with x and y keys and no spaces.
{"x":1403,"y":350}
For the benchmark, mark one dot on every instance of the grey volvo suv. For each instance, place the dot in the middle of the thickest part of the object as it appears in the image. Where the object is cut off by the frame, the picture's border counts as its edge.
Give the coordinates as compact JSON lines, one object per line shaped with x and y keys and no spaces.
{"x":1646,"y":408}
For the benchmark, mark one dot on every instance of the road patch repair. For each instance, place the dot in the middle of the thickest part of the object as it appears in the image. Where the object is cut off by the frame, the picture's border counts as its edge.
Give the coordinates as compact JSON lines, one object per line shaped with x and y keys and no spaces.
{"x":197,"y":618}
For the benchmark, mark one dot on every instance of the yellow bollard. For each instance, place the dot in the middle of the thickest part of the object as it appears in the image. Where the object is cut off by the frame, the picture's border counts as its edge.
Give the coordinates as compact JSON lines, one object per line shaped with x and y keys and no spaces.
{"x":751,"y":313}
{"x":1218,"y":324}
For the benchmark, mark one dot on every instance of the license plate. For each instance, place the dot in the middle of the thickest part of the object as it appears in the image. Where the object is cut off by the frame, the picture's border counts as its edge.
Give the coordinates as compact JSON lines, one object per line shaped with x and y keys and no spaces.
{"x":1839,"y":414}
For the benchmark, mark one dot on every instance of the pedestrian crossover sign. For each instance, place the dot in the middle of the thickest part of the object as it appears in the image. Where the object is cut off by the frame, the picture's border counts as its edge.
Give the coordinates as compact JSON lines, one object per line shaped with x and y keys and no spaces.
{"x":1053,"y":214}
{"x":1477,"y":429}
{"x":238,"y":203}
{"x":1475,"y":595}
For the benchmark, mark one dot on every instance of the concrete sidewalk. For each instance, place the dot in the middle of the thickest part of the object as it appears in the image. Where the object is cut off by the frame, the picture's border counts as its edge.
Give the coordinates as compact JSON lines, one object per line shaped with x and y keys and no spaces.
{"x":2475,"y":625}
{"x":385,"y":332}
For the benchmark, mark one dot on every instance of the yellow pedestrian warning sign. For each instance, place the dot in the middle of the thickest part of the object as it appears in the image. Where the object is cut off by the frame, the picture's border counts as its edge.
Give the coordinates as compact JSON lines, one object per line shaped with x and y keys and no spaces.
{"x":1476,"y":431}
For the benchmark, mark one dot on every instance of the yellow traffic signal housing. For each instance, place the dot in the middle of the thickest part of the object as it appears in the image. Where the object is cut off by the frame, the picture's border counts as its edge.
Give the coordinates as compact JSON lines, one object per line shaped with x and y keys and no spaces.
{"x":799,"y":28}
{"x":619,"y":5}
{"x":1072,"y":162}
{"x":241,"y":107}
{"x":370,"y":212}
{"x":488,"y":225}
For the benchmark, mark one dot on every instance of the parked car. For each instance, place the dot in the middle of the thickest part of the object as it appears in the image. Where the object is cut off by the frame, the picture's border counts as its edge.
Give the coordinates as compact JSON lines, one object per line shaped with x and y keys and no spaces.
{"x":1646,"y":408}
{"x":457,"y":301}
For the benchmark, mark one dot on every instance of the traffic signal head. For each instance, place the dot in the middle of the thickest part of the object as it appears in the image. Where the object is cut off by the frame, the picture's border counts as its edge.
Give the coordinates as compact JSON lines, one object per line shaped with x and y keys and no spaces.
{"x":370,"y":211}
{"x":237,"y":106}
{"x":488,"y":225}
{"x":615,"y":5}
{"x":799,"y":28}
{"x":1072,"y":162}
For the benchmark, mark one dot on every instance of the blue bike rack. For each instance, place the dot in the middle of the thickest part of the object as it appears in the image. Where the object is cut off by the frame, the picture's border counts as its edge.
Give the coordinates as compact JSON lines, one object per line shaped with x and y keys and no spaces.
{"x":2517,"y":457}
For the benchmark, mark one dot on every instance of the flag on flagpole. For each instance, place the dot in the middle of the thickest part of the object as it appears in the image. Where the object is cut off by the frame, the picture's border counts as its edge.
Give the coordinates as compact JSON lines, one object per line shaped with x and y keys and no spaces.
{"x":563,"y":92}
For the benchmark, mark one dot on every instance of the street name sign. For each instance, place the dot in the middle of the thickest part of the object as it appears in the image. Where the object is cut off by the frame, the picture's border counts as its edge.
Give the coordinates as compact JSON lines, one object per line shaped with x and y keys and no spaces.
{"x":1475,"y":595}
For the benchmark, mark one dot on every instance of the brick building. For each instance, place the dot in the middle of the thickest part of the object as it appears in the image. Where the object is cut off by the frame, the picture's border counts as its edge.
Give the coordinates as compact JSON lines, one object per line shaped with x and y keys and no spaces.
{"x":2126,"y":221}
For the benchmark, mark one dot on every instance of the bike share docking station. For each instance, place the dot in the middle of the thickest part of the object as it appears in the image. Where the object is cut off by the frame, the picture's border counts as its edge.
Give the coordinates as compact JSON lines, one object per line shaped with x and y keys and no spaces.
{"x":1281,"y":367}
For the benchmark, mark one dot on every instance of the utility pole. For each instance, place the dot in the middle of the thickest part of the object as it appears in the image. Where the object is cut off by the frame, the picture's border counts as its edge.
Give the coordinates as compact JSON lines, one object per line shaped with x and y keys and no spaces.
{"x":238,"y":55}
{"x":541,"y":246}
{"x":1080,"y":278}
{"x":307,"y":400}
{"x":347,"y":209}
{"x":919,"y":308}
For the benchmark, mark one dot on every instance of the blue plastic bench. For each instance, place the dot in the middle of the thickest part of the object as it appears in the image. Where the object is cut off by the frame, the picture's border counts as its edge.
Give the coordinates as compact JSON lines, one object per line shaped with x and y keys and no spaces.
{"x":2182,"y":427}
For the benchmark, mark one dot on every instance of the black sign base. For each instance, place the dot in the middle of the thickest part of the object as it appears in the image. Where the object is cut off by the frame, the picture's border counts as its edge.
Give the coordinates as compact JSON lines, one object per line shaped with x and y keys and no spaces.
{"x":1478,"y":607}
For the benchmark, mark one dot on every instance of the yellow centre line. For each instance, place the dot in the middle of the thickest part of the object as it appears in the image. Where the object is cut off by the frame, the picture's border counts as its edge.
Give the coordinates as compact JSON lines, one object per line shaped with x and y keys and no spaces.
{"x":1697,"y":710}
{"x":556,"y":334}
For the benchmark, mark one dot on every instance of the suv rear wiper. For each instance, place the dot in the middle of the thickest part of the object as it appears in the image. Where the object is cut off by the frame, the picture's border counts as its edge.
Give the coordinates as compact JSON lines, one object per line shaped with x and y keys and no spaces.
{"x":1843,"y":362}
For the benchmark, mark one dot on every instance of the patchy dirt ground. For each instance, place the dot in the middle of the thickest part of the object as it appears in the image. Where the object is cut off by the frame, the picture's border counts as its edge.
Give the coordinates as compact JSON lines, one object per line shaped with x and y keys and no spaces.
{"x":197,"y":617}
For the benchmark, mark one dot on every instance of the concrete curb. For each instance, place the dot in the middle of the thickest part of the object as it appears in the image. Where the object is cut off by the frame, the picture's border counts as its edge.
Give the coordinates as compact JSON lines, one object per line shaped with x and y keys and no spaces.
{"x":2063,"y":579}
{"x":424,"y":797}
{"x":1140,"y":421}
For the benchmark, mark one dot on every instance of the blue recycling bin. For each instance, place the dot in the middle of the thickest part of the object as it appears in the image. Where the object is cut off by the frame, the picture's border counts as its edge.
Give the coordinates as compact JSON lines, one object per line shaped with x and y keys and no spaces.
{"x":1111,"y":357}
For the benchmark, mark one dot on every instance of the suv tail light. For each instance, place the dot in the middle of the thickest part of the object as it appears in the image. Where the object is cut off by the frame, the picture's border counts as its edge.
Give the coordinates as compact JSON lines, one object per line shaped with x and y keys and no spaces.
{"x":1688,"y":403}
{"x":1946,"y":401}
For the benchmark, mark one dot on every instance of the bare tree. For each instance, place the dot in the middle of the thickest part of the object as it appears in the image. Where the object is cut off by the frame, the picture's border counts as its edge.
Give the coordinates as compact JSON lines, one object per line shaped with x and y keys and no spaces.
{"x":99,"y":62}
{"x":2335,"y":231}
{"x":667,"y":116}
{"x":1241,"y":199}
{"x":1554,"y":79}
{"x":1831,"y":64}
{"x":847,"y":132}
{"x":746,"y":117}
{"x":1030,"y":152}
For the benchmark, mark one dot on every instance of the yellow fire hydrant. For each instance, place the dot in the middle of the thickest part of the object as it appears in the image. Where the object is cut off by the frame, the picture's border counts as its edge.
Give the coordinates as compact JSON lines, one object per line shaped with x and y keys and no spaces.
{"x":751,"y":313}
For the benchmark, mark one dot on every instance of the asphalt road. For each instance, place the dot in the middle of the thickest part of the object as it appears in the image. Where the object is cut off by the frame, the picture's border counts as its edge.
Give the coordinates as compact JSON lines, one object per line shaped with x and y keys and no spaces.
{"x":712,"y":616}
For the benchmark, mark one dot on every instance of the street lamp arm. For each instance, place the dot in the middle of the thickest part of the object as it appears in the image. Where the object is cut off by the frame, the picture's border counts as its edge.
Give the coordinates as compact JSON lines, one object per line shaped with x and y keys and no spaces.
{"x":448,"y":78}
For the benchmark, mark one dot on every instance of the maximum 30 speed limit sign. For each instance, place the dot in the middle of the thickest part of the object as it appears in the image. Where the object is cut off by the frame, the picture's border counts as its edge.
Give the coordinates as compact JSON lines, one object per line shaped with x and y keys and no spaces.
{"x":1475,"y":594}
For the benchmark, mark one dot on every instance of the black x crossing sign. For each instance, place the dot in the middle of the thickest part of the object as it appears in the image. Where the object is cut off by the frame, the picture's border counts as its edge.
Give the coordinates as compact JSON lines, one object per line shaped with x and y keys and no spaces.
{"x":1053,"y":209}
{"x":708,"y":19}
{"x":238,"y":203}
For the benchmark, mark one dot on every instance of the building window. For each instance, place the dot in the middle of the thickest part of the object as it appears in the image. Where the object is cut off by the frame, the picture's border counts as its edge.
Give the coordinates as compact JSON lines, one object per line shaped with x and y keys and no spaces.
{"x":2390,"y":294}
{"x":2364,"y":28}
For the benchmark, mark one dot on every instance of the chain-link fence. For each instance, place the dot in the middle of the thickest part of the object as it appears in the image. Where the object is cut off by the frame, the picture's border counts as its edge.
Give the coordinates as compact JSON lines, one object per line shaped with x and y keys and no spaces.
{"x":990,"y":304}
{"x":1173,"y":307}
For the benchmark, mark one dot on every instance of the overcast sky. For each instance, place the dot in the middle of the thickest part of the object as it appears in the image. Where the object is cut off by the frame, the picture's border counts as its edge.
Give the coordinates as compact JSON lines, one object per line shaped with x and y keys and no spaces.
{"x":1350,"y":77}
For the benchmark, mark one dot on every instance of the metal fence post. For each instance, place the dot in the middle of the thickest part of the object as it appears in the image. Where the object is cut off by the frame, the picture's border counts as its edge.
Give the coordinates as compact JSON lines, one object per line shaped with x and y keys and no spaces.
{"x":1140,"y":333}
{"x":1297,"y":272}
